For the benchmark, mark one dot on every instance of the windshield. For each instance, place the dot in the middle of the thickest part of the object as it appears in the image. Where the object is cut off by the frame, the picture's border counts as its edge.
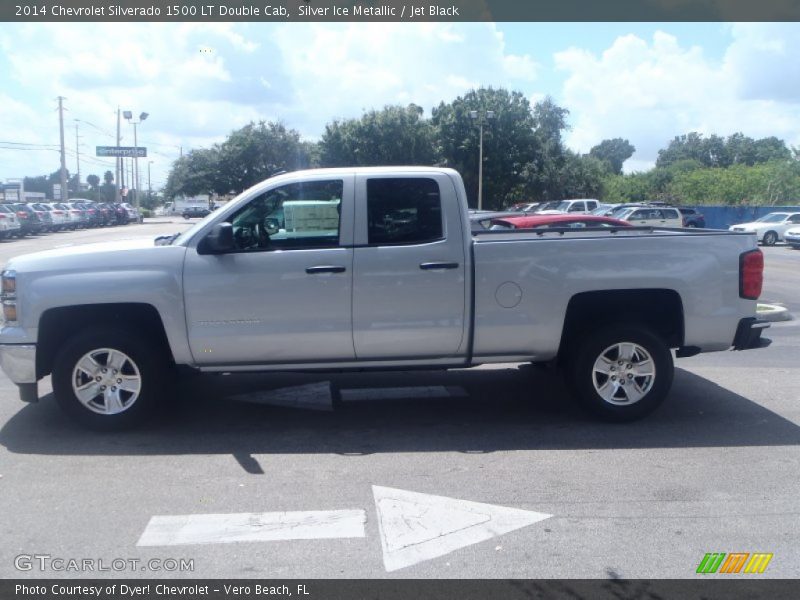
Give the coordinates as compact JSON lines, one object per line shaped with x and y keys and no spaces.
{"x":553,"y":205}
{"x":772,"y":218}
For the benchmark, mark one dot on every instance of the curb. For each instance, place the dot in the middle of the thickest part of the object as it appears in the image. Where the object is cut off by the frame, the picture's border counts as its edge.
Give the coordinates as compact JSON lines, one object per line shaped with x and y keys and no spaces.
{"x":773,"y":312}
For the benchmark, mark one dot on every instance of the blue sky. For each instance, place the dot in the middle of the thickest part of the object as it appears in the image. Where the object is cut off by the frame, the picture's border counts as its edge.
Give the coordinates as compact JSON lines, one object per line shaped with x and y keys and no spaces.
{"x":646,"y":82}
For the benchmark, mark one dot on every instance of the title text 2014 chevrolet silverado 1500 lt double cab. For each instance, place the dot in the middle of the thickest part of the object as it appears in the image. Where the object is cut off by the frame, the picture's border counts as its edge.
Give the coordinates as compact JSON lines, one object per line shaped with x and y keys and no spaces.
{"x":372,"y":268}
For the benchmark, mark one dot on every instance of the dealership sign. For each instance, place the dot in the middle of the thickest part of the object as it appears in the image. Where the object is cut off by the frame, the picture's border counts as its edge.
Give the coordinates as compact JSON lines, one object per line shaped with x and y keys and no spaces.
{"x":121,"y":151}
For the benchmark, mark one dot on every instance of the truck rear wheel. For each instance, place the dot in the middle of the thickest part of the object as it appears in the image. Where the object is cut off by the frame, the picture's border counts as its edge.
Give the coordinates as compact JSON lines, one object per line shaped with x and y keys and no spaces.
{"x":109,"y":378}
{"x":621,"y":372}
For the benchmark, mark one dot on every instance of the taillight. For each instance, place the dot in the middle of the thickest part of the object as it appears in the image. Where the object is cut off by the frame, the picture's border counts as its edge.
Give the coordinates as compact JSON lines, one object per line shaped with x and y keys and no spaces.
{"x":3,"y":215}
{"x":751,"y":274}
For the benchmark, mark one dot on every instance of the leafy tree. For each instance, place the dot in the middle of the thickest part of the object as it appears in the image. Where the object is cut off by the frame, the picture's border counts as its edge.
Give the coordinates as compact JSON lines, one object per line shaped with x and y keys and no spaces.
{"x":93,"y":181}
{"x":715,"y":151}
{"x":509,"y":143}
{"x":614,"y":152}
{"x":254,"y":153}
{"x":108,"y":177}
{"x":395,"y":135}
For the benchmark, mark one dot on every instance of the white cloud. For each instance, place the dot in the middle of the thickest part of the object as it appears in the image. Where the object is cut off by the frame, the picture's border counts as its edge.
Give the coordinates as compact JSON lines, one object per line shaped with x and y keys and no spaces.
{"x":649,"y":91}
{"x":200,"y":81}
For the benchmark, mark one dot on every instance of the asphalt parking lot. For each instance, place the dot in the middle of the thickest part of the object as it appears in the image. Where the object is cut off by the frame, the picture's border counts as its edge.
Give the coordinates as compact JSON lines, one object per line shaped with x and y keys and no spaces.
{"x":382,"y":473}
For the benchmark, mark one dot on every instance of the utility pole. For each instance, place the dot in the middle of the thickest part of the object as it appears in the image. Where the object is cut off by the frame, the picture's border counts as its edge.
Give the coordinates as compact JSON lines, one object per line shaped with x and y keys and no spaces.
{"x":78,"y":156}
{"x":64,"y":195}
{"x":118,"y":174}
{"x":149,"y":186}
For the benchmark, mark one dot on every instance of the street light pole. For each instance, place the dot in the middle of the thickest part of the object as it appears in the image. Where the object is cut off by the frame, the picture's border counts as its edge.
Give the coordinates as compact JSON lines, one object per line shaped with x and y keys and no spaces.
{"x":129,"y":116}
{"x":481,"y":119}
{"x":149,"y":186}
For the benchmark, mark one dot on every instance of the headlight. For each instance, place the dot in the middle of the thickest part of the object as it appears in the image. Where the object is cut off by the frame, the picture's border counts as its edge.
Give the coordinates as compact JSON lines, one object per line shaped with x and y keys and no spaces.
{"x":9,"y":296}
{"x":9,"y":282}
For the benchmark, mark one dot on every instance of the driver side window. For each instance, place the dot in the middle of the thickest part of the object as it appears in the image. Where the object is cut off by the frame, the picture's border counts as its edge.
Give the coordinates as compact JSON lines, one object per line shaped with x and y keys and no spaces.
{"x":293,"y":216}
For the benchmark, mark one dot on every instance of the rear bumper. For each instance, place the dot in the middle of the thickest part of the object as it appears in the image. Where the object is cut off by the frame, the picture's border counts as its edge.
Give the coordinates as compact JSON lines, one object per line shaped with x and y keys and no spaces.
{"x":748,"y":334}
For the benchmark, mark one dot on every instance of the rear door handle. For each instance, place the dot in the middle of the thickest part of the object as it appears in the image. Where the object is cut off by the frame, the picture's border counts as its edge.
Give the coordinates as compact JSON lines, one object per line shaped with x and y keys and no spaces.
{"x":325,"y":269}
{"x":428,"y":266}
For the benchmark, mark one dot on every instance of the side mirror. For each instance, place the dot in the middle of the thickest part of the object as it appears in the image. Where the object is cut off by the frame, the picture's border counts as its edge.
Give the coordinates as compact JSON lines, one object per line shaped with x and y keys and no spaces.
{"x":272,"y":226}
{"x":218,"y":241}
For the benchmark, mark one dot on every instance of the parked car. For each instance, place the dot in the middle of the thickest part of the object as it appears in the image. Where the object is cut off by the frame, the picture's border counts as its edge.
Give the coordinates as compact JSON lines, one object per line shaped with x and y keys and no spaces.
{"x":9,"y":223}
{"x":29,"y":219}
{"x":692,"y":217}
{"x":107,"y":212}
{"x":133,"y":214}
{"x":61,"y":221}
{"x":120,"y":214}
{"x":654,"y":216}
{"x":62,"y":213}
{"x":609,"y":308}
{"x":555,"y":221}
{"x":792,"y":237}
{"x":770,"y":228}
{"x":45,"y":215}
{"x":94,"y":216}
{"x":581,"y":206}
{"x":482,"y":220}
{"x":77,"y":213}
{"x":194,"y":212}
{"x":524,"y":207}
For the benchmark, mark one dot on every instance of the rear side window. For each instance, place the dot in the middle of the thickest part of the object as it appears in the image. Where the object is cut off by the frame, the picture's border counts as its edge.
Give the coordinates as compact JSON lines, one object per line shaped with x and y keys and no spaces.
{"x":670,"y":213}
{"x":403,"y":211}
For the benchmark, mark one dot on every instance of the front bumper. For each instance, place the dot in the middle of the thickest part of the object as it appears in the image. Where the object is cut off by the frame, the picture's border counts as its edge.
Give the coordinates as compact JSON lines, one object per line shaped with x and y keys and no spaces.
{"x":748,"y":334}
{"x":18,"y":361}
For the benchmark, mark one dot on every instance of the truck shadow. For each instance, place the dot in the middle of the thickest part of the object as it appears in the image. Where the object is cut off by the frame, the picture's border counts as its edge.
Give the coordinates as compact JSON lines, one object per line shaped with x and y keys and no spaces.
{"x":517,"y":408}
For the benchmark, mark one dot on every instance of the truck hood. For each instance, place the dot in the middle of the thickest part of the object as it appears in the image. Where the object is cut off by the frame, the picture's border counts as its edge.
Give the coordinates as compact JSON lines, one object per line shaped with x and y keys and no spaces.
{"x":122,"y":253}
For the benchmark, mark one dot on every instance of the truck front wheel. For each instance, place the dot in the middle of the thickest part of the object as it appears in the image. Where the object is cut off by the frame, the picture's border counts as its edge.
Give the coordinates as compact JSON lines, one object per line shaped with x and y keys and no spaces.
{"x":621,"y":372}
{"x":108,"y":378}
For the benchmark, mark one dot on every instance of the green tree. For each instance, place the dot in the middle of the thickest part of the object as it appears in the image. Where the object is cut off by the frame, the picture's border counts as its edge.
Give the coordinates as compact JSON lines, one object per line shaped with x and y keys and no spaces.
{"x":253,"y":153}
{"x":395,"y":135}
{"x":614,"y":153}
{"x":509,"y":143}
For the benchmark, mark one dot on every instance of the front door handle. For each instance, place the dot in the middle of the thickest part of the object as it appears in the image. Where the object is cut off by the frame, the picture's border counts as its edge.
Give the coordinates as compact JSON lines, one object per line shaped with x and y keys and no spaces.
{"x":428,"y":266}
{"x":325,"y":269}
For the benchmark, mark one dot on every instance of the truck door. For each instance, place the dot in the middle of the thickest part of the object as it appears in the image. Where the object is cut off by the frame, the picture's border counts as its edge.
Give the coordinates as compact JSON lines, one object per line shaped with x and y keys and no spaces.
{"x":284,"y":294}
{"x":409,"y":296}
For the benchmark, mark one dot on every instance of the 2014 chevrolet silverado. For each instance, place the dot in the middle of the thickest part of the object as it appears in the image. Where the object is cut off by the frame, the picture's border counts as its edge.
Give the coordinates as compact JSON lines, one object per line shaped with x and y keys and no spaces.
{"x":361,"y":268}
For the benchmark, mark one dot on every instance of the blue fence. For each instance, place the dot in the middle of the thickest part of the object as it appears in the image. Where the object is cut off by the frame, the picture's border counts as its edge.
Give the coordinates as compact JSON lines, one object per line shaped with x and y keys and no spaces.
{"x":722,"y":217}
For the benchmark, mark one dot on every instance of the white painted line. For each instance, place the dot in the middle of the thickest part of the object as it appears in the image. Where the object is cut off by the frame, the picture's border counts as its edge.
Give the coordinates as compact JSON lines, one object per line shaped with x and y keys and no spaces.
{"x":401,"y":393}
{"x":253,"y":527}
{"x":416,"y":527}
{"x":313,"y":396}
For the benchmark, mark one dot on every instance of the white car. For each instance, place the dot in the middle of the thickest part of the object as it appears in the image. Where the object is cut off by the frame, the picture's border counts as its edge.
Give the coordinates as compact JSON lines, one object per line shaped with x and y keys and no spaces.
{"x":580,"y":206}
{"x":59,"y":216}
{"x":770,"y":228}
{"x":792,"y":237}
{"x":9,"y":223}
{"x":653,"y":216}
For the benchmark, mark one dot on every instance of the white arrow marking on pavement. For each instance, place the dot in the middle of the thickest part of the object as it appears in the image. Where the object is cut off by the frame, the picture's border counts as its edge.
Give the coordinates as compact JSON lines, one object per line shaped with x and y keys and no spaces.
{"x":253,"y":527}
{"x":416,"y":527}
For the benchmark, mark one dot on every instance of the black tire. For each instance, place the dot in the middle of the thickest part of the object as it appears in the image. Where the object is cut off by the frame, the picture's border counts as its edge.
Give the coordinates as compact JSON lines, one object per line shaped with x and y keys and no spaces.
{"x":769,"y":238}
{"x":581,"y":377}
{"x":148,"y":358}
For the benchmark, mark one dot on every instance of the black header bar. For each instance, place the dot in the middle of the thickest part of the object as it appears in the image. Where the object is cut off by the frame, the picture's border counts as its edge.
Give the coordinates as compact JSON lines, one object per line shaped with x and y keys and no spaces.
{"x":369,"y":11}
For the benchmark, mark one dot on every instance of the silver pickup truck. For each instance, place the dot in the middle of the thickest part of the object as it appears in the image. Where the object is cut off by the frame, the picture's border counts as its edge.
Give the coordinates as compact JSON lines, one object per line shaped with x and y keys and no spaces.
{"x":373,"y":268}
